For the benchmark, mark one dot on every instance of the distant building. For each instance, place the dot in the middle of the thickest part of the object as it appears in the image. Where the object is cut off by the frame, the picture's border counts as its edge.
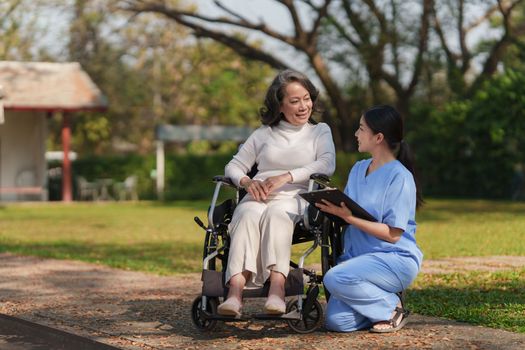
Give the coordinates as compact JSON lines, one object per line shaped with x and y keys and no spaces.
{"x":30,"y":93}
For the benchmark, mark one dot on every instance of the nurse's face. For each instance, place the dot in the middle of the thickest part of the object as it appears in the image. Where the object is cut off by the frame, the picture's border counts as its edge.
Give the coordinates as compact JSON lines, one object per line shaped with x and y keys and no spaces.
{"x":366,"y":139}
{"x":297,"y":104}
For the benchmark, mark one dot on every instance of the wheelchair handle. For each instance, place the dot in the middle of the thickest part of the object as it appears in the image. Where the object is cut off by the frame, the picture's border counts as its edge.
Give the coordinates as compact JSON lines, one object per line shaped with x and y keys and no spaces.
{"x":199,"y":222}
{"x":321,"y":179}
{"x":224,"y":179}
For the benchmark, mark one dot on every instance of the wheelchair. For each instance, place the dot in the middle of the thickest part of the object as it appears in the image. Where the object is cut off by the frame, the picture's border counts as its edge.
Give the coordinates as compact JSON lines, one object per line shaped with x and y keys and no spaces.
{"x":304,"y":313}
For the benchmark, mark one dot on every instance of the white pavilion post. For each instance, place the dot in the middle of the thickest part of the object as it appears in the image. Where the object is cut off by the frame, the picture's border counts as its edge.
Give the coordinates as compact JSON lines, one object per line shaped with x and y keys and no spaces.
{"x":160,"y":170}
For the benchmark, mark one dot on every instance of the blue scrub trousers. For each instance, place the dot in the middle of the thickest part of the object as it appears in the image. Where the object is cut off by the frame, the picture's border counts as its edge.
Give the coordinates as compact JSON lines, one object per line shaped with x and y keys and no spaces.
{"x":363,"y":289}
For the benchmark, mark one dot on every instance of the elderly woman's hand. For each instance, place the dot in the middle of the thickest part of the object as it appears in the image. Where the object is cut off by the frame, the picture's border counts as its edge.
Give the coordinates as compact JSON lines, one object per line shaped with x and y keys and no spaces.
{"x":258,"y":189}
{"x":274,"y":182}
{"x":328,"y":207}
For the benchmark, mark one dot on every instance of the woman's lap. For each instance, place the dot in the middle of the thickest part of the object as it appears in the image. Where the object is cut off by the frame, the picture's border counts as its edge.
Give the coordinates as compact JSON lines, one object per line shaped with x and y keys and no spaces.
{"x":276,"y":220}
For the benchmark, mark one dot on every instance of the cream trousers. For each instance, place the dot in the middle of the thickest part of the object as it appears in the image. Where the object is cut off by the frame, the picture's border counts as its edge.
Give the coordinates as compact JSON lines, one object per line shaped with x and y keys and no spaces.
{"x":261,"y":236}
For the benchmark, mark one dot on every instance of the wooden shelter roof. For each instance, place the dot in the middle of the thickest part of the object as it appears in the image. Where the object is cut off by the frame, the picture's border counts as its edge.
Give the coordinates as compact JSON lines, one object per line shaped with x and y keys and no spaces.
{"x":46,"y":86}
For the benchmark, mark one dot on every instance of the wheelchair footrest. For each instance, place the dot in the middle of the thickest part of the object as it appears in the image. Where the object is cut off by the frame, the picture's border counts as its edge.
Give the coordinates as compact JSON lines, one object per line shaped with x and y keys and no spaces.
{"x":209,"y":316}
{"x":292,"y":315}
{"x":213,"y":285}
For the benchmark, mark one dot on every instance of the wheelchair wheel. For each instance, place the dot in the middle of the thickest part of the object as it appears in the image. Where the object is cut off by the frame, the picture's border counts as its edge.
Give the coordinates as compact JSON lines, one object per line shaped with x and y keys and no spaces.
{"x":328,"y":250}
{"x":310,"y":322}
{"x":197,"y":316}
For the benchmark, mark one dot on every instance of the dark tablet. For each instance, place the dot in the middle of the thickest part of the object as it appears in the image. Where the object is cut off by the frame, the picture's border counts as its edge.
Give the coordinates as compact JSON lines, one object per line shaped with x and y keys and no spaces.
{"x":336,"y":197}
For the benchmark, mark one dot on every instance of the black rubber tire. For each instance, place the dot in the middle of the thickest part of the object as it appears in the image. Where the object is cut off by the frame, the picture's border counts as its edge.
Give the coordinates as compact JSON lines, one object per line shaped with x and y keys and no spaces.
{"x":310,"y":322}
{"x":328,"y":250}
{"x":196,"y":313}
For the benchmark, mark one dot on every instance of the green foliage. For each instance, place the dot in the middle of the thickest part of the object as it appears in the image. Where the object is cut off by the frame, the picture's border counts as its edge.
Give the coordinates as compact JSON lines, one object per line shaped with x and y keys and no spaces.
{"x":344,"y":162}
{"x":471,"y":147}
{"x":200,"y":147}
{"x":153,"y":73}
{"x":20,"y":29}
{"x":187,"y":176}
{"x":219,"y":87}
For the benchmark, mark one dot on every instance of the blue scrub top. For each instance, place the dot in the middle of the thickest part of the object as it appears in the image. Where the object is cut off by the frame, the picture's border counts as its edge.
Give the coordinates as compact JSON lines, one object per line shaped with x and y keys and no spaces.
{"x":389,"y":194}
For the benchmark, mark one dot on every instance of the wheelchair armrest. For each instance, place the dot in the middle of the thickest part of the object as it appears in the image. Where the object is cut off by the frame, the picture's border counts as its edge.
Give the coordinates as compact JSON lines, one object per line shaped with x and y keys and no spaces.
{"x":321,"y":179}
{"x":225,"y":180}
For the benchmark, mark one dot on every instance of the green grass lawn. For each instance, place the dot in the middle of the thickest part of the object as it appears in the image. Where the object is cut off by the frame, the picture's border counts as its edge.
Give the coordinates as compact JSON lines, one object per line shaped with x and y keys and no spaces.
{"x":163,"y":239}
{"x":145,"y":236}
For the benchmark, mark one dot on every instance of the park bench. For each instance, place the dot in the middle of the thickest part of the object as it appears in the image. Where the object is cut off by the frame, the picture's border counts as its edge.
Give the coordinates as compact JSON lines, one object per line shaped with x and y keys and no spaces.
{"x":26,"y":192}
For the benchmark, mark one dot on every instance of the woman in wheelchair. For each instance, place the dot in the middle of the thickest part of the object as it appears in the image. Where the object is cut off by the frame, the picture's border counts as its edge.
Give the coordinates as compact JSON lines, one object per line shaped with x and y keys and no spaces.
{"x":288,"y":148}
{"x":380,"y":259}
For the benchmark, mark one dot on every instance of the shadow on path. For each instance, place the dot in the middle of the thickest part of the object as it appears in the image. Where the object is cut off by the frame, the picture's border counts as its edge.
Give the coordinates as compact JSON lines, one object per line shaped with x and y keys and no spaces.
{"x":133,"y":310}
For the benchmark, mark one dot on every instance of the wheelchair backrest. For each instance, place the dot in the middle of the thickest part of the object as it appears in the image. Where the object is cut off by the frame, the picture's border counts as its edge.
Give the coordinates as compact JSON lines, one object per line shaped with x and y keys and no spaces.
{"x":222,"y":214}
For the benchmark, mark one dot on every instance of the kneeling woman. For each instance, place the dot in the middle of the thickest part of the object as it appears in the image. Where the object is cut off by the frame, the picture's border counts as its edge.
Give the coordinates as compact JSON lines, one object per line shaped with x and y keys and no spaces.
{"x":380,"y":258}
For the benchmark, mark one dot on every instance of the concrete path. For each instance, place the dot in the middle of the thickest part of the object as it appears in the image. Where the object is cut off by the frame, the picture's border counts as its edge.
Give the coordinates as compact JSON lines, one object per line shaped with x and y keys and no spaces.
{"x":133,"y":310}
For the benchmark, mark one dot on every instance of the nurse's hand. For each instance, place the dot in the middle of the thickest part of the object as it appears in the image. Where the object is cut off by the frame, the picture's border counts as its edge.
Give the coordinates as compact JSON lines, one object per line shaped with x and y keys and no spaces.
{"x":328,"y":207}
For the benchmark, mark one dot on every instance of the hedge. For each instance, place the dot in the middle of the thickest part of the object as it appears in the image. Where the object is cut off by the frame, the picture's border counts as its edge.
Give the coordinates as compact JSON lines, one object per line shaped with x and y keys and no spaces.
{"x":186,"y":176}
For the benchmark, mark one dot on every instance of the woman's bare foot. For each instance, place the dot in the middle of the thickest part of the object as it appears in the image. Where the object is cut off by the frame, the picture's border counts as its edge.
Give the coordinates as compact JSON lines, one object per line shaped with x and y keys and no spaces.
{"x":275,"y":303}
{"x":233,"y":303}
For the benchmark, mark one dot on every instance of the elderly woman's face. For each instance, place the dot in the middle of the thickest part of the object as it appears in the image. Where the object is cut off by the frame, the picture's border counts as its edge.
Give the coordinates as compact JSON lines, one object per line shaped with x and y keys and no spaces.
{"x":297,"y":104}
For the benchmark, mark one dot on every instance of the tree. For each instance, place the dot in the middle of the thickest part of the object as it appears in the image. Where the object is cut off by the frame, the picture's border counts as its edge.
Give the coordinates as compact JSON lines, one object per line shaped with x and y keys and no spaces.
{"x":387,"y":42}
{"x":195,"y":81}
{"x":449,"y":17}
{"x":153,"y":73}
{"x":478,"y":142}
{"x":371,"y":40}
{"x":20,"y":31}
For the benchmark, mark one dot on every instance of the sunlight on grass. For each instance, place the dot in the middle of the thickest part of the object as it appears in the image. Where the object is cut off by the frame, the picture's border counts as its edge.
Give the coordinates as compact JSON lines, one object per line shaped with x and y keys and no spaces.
{"x":162,"y":238}
{"x":145,"y":236}
{"x":448,"y":228}
{"x":493,"y":299}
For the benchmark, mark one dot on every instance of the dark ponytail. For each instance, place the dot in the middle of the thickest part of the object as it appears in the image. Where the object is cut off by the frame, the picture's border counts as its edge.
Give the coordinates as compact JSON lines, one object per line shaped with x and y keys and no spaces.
{"x":386,"y":119}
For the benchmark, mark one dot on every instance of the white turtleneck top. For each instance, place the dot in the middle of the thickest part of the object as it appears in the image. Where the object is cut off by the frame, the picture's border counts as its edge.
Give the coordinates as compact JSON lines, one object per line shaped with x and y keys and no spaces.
{"x":300,"y":150}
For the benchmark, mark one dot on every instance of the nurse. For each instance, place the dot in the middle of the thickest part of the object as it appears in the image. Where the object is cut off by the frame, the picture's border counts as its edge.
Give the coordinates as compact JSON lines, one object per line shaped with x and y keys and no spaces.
{"x":380,"y":259}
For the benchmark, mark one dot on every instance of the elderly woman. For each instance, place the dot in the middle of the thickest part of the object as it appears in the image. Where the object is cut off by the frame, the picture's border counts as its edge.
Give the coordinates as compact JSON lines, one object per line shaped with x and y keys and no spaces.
{"x":287,"y":148}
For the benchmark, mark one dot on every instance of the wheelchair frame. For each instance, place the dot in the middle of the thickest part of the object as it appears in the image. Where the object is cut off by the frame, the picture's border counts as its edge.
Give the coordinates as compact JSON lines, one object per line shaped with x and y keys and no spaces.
{"x":304,"y":313}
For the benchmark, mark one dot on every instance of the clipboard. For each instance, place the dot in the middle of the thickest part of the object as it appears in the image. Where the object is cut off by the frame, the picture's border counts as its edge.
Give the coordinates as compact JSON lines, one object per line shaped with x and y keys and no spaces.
{"x":335,"y":196}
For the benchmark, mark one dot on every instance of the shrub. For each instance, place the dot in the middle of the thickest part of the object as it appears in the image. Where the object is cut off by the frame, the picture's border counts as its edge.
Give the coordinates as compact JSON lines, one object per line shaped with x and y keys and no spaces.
{"x":470,"y":148}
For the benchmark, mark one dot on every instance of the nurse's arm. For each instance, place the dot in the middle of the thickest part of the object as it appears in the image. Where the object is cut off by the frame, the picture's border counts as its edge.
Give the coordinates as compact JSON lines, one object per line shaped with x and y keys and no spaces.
{"x":376,"y":229}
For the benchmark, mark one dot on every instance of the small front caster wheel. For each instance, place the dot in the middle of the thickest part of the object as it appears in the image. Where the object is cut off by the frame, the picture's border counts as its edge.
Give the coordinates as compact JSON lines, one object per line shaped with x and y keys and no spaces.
{"x":309,"y":322}
{"x":199,"y":317}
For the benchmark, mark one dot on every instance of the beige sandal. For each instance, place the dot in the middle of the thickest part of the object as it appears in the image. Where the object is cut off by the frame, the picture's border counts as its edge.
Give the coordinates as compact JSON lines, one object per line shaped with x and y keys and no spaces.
{"x":275,"y":305}
{"x":231,"y":307}
{"x":398,"y":321}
